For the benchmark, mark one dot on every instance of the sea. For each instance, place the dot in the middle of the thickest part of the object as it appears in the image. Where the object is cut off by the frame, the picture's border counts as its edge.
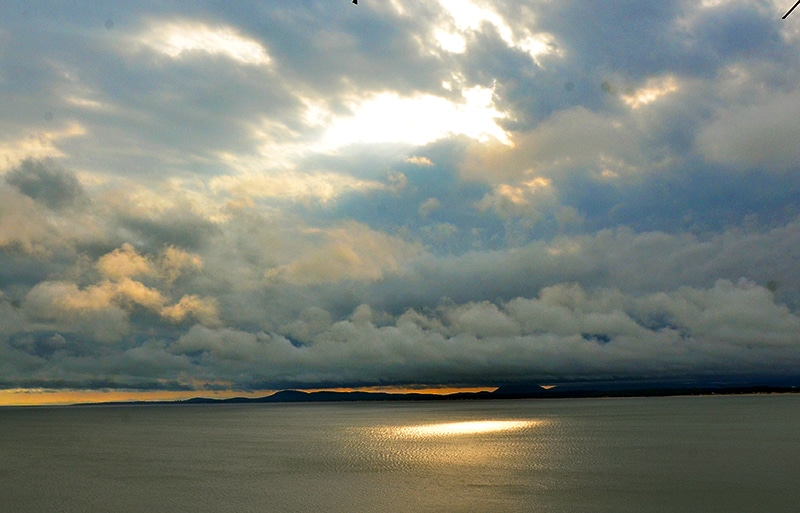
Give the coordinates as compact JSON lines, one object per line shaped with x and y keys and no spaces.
{"x":640,"y":455}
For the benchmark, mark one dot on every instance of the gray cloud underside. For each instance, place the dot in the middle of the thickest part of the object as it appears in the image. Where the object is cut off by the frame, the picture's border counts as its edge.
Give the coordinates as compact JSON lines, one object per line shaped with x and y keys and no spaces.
{"x":613,"y":305}
{"x":564,"y":334}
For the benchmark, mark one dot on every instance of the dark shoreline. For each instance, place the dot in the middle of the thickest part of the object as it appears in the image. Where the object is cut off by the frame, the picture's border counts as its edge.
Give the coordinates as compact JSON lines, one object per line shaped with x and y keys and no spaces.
{"x":514,"y":392}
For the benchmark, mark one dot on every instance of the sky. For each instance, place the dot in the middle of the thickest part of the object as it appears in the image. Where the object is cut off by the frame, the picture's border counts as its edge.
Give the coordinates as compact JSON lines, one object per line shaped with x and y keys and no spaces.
{"x":235,"y":197}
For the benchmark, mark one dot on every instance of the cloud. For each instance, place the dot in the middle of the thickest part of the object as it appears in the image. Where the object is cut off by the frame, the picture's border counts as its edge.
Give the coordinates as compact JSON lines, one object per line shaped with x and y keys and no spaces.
{"x":419,"y":161}
{"x":174,"y":261}
{"x":102,"y":310}
{"x":123,"y":263}
{"x":565,"y":333}
{"x":351,"y":252}
{"x":481,"y":320}
{"x":759,"y":136}
{"x":428,"y":206}
{"x":223,"y":344}
{"x":310,"y":323}
{"x":636,"y":263}
{"x":321,"y":187}
{"x":654,"y":89}
{"x":51,"y":300}
{"x":526,"y":198}
{"x":417,"y":120}
{"x":10,"y":317}
{"x":40,"y":145}
{"x":177,"y":39}
{"x":53,"y":187}
{"x":203,"y":310}
{"x":571,"y":139}
{"x":23,"y":226}
{"x":86,"y":312}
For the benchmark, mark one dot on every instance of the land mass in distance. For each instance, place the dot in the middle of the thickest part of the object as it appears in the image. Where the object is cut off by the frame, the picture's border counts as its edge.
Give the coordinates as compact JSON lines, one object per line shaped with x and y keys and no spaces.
{"x":502,"y":392}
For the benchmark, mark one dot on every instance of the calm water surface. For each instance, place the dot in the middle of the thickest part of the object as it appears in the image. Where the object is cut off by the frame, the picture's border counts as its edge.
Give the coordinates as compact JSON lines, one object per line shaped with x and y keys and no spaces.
{"x":680,"y":454}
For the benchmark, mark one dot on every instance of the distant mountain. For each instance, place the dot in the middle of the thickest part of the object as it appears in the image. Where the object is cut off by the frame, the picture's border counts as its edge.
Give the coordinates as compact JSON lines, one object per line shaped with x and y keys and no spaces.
{"x":514,"y":391}
{"x":299,"y":396}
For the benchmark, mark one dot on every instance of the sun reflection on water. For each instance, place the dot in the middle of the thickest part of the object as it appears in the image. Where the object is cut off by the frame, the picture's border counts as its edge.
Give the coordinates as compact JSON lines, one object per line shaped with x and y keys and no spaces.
{"x":463,"y":428}
{"x":478,"y":443}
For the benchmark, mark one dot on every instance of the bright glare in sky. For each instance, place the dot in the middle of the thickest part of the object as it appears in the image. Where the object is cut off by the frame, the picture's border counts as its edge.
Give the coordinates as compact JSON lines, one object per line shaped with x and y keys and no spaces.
{"x":389,"y":117}
{"x":468,"y":16}
{"x":448,"y":41}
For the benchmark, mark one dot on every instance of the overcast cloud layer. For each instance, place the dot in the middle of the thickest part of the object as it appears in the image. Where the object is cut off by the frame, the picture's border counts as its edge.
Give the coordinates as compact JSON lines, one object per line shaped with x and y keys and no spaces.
{"x":263,"y":195}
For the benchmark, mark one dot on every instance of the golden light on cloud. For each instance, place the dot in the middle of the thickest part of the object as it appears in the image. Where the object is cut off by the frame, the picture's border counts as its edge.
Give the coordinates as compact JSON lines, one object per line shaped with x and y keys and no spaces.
{"x":419,"y":161}
{"x":67,"y":297}
{"x":519,"y":195}
{"x":322,"y":187}
{"x":349,"y":252}
{"x":38,"y":145}
{"x":172,"y":195}
{"x":123,"y":262}
{"x":203,"y":310}
{"x":418,"y":120}
{"x":463,"y":428}
{"x":103,"y":308}
{"x":84,"y":102}
{"x":173,"y":39}
{"x":654,"y":89}
{"x":508,"y":200}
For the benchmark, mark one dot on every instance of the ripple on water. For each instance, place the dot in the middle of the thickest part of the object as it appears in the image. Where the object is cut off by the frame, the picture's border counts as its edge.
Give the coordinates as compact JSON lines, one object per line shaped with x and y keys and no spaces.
{"x":484,"y":443}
